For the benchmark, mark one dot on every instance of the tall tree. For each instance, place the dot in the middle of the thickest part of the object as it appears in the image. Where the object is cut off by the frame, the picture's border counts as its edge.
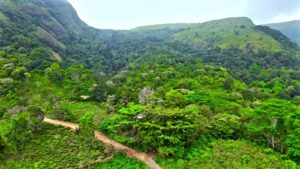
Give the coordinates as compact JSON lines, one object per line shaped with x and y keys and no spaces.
{"x":54,"y":72}
{"x":78,"y":81}
{"x":268,"y":120}
{"x":87,"y":128}
{"x":293,"y":137}
{"x":18,"y":133}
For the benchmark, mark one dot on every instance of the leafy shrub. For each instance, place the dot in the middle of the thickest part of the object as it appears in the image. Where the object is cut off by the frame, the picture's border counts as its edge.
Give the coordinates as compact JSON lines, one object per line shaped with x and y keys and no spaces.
{"x":120,"y":161}
{"x":225,"y":125}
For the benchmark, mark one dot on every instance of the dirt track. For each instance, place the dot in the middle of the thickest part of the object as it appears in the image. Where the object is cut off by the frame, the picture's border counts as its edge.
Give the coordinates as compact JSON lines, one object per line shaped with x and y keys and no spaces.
{"x":146,"y":158}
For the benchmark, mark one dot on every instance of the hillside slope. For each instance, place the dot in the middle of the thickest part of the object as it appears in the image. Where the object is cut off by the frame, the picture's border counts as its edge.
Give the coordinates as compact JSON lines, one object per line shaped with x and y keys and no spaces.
{"x":219,"y":94}
{"x":237,"y":32}
{"x":290,"y":29}
{"x":235,"y":43}
{"x":52,"y":25}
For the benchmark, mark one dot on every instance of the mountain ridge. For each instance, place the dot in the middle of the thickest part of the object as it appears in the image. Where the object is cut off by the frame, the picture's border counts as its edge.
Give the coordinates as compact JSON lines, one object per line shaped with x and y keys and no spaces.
{"x":290,"y":28}
{"x":186,"y":93}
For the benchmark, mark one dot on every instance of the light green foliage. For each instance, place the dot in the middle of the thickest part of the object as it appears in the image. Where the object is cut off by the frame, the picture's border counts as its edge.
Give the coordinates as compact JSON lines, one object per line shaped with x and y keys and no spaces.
{"x":87,"y":127}
{"x":55,"y":147}
{"x":269,"y":120}
{"x":225,"y":125}
{"x":54,"y":73}
{"x":227,"y":33}
{"x":233,"y":154}
{"x":18,"y":132}
{"x":119,"y":161}
{"x":19,"y":73}
{"x":79,"y":109}
{"x":178,"y":98}
{"x":293,"y":139}
{"x":87,"y":123}
{"x":121,"y":124}
{"x":169,"y":130}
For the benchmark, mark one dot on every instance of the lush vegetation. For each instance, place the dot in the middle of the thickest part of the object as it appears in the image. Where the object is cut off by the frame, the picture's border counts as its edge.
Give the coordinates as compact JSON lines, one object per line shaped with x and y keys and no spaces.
{"x":221,"y":94}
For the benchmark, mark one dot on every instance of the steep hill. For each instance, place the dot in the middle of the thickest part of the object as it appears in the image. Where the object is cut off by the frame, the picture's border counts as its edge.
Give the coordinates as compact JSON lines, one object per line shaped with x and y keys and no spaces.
{"x":235,"y":43}
{"x":225,"y":33}
{"x":290,"y":29}
{"x":219,"y":94}
{"x":52,"y":25}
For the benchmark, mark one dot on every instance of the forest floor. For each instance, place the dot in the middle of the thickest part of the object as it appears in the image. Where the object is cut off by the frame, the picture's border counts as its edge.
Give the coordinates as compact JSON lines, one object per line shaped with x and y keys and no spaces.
{"x":144,"y":157}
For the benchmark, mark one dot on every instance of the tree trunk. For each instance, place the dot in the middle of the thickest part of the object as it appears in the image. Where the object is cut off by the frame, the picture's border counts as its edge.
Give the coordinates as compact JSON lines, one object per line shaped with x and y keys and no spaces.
{"x":274,"y":124}
{"x":282,"y":148}
{"x":273,"y":141}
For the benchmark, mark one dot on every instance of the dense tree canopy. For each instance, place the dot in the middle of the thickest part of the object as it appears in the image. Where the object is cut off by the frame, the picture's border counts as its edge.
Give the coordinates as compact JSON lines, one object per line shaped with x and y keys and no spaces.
{"x":221,"y":94}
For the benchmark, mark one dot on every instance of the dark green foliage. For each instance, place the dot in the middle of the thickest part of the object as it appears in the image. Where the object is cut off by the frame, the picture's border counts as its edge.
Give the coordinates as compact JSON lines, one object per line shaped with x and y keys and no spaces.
{"x":227,"y":154}
{"x":289,"y":29}
{"x":228,"y":84}
{"x":36,"y":116}
{"x":36,"y":112}
{"x":101,"y":91}
{"x":78,"y":81}
{"x":60,"y":111}
{"x":2,"y":146}
{"x":248,"y":94}
{"x":277,"y":35}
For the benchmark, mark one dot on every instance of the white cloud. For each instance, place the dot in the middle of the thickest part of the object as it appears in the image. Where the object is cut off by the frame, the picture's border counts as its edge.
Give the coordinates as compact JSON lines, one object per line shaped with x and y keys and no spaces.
{"x":286,"y":17}
{"x":126,"y":14}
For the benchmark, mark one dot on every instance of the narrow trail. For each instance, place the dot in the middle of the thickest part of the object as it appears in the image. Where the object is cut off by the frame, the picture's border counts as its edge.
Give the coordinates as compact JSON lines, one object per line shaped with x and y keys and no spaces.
{"x":72,"y":126}
{"x":144,"y":157}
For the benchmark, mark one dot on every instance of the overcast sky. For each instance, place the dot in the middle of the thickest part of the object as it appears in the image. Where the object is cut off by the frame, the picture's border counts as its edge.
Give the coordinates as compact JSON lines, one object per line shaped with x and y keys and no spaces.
{"x":126,"y":14}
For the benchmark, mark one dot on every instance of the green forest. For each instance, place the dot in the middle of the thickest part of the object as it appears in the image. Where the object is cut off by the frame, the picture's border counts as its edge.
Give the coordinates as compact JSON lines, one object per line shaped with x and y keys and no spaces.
{"x":213,"y":95}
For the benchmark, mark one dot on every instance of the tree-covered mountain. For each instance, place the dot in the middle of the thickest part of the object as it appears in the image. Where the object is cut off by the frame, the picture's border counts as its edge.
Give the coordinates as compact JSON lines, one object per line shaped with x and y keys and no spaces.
{"x":235,"y":43}
{"x":218,"y":94}
{"x":225,"y":33}
{"x":52,"y":28}
{"x":290,"y":29}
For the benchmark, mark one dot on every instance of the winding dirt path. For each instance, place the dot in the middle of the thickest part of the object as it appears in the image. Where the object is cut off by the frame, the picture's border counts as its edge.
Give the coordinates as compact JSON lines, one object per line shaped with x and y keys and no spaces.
{"x":72,"y":126}
{"x":144,"y":157}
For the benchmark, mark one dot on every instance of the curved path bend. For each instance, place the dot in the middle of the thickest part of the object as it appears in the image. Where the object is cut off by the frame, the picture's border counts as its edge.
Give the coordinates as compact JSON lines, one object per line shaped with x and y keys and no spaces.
{"x":144,"y":157}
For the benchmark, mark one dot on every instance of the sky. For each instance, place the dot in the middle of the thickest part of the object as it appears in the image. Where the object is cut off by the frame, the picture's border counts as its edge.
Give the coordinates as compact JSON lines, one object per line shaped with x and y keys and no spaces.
{"x":128,"y":14}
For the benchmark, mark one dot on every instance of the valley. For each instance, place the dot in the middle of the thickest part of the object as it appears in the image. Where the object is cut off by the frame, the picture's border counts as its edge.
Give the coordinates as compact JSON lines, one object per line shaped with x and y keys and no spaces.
{"x":218,"y":94}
